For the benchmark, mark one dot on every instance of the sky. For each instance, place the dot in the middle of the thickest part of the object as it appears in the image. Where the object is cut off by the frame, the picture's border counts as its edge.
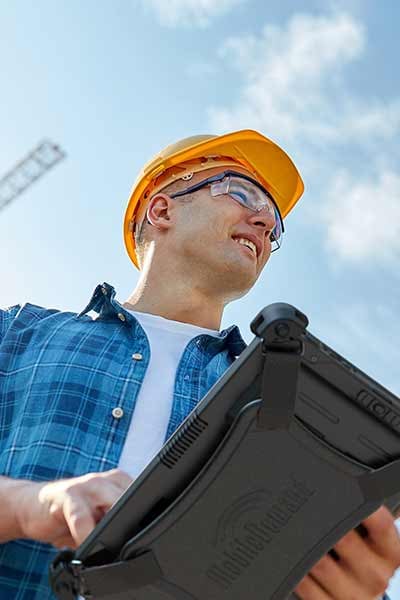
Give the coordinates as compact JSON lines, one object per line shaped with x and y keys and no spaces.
{"x":114,"y":82}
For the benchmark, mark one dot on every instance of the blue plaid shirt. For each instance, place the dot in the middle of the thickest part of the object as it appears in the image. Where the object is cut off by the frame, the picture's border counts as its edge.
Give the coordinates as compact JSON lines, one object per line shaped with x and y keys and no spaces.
{"x":61,"y":375}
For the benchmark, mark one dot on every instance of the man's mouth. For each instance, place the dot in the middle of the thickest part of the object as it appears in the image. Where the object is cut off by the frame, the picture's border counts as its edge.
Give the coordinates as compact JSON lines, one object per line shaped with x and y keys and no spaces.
{"x":248,"y":244}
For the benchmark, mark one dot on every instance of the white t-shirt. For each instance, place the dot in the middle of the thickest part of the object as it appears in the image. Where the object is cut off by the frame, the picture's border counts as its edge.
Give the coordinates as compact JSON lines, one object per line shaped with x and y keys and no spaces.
{"x":150,"y":419}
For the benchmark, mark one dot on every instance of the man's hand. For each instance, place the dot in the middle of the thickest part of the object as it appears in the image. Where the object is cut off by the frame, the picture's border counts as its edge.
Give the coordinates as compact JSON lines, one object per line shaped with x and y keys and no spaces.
{"x":363,"y":567}
{"x":64,"y":512}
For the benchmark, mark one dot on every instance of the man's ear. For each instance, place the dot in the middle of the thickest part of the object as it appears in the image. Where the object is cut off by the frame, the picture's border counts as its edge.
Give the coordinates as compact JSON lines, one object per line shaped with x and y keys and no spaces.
{"x":159,"y":211}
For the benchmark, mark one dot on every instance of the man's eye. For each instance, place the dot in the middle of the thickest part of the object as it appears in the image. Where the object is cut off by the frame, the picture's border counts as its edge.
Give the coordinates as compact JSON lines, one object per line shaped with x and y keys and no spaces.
{"x":272,"y":237}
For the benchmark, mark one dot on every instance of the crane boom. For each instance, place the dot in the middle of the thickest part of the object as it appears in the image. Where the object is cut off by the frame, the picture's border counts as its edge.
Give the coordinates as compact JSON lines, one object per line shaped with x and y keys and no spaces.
{"x":28,"y":170}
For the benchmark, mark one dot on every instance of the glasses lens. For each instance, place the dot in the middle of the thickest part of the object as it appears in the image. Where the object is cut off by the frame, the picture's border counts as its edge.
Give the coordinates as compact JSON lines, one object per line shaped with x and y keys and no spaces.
{"x":252,"y":197}
{"x":249,"y":194}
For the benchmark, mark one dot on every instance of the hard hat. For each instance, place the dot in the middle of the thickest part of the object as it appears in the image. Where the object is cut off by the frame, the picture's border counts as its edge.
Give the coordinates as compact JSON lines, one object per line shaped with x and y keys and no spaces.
{"x":260,"y":155}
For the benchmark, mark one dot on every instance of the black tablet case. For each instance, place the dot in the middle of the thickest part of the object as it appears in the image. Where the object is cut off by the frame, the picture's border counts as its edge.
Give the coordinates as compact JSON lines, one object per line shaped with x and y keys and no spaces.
{"x":288,"y":451}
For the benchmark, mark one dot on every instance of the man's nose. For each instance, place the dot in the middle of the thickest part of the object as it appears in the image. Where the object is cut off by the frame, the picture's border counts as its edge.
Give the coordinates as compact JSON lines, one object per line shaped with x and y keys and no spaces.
{"x":263,"y":219}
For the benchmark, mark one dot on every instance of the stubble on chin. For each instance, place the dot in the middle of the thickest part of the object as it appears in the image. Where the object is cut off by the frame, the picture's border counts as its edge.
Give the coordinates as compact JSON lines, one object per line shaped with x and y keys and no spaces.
{"x":236,"y":279}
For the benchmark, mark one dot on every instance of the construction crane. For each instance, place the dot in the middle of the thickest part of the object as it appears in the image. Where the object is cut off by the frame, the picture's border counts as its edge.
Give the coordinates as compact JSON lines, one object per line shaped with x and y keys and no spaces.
{"x":28,"y":170}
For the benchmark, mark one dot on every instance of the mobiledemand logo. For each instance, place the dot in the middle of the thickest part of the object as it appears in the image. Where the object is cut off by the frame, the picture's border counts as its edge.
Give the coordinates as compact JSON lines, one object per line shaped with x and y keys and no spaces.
{"x":237,"y":550}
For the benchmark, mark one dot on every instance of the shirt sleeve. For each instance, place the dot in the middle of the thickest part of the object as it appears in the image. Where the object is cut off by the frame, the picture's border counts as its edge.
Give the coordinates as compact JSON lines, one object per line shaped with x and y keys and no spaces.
{"x":7,"y":316}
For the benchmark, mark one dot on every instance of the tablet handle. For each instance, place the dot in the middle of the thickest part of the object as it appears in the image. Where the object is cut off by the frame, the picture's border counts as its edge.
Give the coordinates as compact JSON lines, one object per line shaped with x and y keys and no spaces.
{"x":281,"y":327}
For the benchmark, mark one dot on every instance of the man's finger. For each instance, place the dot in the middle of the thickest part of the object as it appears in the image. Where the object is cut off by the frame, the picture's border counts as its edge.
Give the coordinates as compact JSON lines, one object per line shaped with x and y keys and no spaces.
{"x":336,"y":581}
{"x":79,"y":518}
{"x":121,"y":479}
{"x":99,"y":491}
{"x":383,"y":536}
{"x":64,"y":542}
{"x":365,"y":565}
{"x":309,"y":589}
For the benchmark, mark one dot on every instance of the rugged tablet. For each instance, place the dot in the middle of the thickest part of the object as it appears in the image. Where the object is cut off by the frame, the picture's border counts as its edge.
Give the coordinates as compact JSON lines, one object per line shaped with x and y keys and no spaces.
{"x":290,"y":449}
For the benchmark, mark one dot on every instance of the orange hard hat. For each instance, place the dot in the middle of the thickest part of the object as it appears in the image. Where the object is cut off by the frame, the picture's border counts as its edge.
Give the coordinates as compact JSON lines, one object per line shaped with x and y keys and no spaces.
{"x":260,"y":155}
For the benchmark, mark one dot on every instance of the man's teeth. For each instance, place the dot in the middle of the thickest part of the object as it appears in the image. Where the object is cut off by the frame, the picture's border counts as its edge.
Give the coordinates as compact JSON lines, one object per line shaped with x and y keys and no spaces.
{"x":247,"y":243}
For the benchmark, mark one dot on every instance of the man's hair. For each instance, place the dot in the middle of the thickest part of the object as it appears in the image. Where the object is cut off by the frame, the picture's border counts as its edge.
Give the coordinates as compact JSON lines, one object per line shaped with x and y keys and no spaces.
{"x":141,"y":235}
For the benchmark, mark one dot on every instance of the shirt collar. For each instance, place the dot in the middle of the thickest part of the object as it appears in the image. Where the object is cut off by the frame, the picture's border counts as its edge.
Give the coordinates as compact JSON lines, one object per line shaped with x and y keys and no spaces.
{"x":104,"y":303}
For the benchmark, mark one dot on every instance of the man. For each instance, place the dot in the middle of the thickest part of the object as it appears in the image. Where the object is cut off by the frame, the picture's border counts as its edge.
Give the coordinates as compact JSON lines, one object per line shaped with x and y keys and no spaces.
{"x":87,"y":402}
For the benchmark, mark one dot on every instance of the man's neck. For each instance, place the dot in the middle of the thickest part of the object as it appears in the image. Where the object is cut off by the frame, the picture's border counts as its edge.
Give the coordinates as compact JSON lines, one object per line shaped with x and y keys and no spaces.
{"x":178,"y":301}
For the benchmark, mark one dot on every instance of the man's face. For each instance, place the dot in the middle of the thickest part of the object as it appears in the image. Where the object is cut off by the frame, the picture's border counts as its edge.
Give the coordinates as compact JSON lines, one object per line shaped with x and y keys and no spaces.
{"x":209,"y":233}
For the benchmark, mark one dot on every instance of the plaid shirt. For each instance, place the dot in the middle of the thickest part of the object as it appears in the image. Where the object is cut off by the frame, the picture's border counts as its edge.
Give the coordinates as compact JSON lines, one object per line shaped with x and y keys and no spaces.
{"x":61,"y":375}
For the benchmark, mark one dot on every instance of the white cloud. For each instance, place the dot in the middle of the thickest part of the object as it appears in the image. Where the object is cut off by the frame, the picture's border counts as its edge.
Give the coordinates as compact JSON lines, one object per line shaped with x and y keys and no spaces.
{"x":173,"y":13}
{"x":292,"y":84}
{"x":362,"y":218}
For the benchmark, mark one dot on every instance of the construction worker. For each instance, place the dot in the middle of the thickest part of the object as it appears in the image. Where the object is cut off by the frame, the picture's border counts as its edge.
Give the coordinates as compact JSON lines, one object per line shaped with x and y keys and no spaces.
{"x":86,"y":402}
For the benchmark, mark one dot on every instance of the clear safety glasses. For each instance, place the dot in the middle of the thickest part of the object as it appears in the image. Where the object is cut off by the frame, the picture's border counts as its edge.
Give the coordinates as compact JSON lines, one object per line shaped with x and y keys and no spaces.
{"x":248,"y":192}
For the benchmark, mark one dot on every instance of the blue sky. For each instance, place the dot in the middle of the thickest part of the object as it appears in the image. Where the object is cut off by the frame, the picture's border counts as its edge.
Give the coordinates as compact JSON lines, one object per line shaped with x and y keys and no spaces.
{"x":113,"y":83}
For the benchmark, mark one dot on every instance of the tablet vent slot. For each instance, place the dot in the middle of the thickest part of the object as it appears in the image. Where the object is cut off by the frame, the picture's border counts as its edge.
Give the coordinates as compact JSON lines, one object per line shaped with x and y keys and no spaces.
{"x":182,"y":441}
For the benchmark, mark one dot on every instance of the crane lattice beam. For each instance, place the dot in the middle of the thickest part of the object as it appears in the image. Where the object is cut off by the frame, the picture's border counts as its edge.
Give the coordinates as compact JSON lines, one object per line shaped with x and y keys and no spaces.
{"x":28,"y":170}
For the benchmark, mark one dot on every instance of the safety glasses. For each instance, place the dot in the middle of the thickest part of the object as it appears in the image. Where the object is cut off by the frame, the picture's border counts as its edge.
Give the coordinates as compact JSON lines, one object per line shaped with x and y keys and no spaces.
{"x":245,"y":190}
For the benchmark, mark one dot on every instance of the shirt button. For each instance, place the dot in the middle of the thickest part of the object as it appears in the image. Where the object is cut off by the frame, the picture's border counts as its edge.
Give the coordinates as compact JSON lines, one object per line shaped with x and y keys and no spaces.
{"x":117,"y":412}
{"x":121,"y":317}
{"x":137,"y":356}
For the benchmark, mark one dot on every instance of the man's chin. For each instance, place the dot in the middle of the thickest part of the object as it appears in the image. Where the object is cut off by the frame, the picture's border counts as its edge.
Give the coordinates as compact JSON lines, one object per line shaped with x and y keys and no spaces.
{"x":239,"y":280}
